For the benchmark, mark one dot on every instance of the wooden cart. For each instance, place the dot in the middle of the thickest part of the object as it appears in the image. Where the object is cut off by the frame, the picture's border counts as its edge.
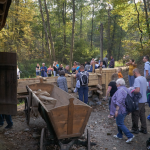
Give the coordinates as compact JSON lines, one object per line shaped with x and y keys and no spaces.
{"x":66,"y":122}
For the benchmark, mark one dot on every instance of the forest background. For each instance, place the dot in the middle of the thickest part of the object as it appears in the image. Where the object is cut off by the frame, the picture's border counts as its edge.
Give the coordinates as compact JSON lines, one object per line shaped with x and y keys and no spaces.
{"x":69,"y":30}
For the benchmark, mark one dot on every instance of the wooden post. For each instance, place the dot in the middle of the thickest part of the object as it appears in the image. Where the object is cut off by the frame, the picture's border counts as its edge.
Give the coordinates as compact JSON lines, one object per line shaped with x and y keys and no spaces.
{"x":41,"y":80}
{"x":93,"y":68}
{"x":101,"y":54}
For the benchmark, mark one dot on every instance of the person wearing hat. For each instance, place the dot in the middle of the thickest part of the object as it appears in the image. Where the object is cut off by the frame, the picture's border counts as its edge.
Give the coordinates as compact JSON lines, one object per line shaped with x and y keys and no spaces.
{"x":62,"y":81}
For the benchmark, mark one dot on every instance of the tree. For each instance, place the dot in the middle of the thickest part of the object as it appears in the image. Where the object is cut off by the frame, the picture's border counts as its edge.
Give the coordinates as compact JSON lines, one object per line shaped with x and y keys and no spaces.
{"x":50,"y":56}
{"x":72,"y":39}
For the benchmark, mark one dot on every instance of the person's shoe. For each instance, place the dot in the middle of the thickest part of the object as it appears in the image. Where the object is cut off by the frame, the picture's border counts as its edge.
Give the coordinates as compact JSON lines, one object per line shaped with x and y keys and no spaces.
{"x":115,"y":136}
{"x":143,"y":131}
{"x":135,"y":131}
{"x":8,"y":127}
{"x":130,"y":140}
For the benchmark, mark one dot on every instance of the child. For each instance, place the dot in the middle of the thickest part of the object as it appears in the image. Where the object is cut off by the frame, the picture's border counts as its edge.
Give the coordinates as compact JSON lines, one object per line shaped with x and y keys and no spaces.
{"x":119,"y":73}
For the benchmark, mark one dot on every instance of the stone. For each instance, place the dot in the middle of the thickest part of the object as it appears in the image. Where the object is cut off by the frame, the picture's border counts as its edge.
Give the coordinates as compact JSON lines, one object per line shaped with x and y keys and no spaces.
{"x":26,"y":130}
{"x":35,"y":135}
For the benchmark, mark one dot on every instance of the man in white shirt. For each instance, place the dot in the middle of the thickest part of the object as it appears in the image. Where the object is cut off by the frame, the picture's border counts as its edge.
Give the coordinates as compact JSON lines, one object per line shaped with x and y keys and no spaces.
{"x":146,"y":66}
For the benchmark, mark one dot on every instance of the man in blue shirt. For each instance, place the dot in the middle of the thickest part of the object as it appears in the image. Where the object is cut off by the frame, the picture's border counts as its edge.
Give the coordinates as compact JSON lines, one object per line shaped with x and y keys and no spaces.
{"x":43,"y":70}
{"x":147,"y":66}
{"x":57,"y":65}
{"x":91,"y":68}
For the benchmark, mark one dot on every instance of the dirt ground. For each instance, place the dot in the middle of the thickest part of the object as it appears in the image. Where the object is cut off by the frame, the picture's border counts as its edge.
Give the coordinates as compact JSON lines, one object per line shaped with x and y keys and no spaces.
{"x":102,"y":129}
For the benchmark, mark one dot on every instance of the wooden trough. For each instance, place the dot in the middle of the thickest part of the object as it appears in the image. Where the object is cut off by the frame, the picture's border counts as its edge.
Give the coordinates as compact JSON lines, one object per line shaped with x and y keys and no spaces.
{"x":67,"y":119}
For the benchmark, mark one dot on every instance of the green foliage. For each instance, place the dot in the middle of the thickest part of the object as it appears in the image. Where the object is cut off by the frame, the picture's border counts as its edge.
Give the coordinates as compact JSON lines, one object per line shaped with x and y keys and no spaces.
{"x":24,"y":32}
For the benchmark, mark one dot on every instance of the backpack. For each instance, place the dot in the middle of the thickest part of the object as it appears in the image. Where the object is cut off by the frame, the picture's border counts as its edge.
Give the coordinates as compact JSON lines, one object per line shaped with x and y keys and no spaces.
{"x":130,"y":103}
{"x":49,"y":71}
{"x":83,"y":78}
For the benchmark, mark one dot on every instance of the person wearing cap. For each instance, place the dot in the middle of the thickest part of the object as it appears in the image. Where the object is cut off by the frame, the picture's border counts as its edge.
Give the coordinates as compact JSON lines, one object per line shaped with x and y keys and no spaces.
{"x":62,"y":81}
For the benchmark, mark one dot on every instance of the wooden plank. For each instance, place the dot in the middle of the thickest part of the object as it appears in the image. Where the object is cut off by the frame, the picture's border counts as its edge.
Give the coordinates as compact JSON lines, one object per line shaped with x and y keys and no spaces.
{"x":70,"y":116}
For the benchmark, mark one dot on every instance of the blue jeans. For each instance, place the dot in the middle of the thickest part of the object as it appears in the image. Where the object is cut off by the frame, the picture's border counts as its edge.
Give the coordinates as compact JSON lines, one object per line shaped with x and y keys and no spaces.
{"x":54,"y":73}
{"x":37,"y":73}
{"x":8,"y":119}
{"x":121,"y":127}
{"x":131,"y":80}
{"x":83,"y":90}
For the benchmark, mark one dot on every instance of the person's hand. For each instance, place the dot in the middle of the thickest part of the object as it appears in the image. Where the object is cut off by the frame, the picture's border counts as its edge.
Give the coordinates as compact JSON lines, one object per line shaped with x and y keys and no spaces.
{"x":110,"y":117}
{"x":116,"y":113}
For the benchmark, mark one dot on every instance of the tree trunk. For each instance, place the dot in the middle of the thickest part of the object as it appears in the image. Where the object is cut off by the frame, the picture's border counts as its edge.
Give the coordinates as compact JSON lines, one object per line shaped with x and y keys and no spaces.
{"x":46,"y":34}
{"x":119,"y":45}
{"x":113,"y":35}
{"x":81,"y":22}
{"x":72,"y":39}
{"x":50,"y":33}
{"x":108,"y":35}
{"x":146,"y":17}
{"x":64,"y":23}
{"x":42,"y":43}
{"x":92,"y":26}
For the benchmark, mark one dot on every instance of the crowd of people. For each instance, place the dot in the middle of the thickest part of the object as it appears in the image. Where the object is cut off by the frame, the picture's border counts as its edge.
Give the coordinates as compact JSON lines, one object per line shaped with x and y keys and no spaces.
{"x":139,"y":85}
{"x":56,"y":69}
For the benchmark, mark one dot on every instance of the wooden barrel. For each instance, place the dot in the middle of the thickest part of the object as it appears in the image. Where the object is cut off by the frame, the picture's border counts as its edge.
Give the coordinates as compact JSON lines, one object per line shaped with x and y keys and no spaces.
{"x":8,"y":83}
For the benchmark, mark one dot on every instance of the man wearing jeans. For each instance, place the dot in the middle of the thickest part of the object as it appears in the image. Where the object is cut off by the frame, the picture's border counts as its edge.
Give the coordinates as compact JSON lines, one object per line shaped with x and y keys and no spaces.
{"x":140,"y":85}
{"x":83,"y":78}
{"x":8,"y":120}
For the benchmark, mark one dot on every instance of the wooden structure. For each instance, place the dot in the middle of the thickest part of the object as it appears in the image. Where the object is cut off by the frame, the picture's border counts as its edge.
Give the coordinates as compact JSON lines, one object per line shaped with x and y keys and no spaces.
{"x":4,"y":8}
{"x":8,"y":83}
{"x":106,"y":77}
{"x":69,"y":116}
{"x":67,"y":119}
{"x":98,"y":80}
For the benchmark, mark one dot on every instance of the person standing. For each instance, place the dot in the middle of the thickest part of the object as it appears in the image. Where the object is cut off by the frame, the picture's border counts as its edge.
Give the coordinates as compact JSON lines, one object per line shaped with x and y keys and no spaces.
{"x":140,"y":85}
{"x":43,"y":70}
{"x":118,"y":110}
{"x":83,"y":77}
{"x":57,"y":65}
{"x":146,"y":66}
{"x":112,"y":88}
{"x":62,"y":81}
{"x":112,"y":62}
{"x":60,"y":68}
{"x":106,"y":60}
{"x":67,"y":70}
{"x":132,"y":66}
{"x":8,"y":120}
{"x":49,"y":71}
{"x":55,"y":69}
{"x":37,"y":70}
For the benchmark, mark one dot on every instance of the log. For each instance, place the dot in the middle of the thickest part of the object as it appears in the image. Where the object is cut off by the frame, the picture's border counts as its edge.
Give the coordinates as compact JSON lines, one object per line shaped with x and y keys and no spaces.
{"x":100,"y":92}
{"x":99,"y":86}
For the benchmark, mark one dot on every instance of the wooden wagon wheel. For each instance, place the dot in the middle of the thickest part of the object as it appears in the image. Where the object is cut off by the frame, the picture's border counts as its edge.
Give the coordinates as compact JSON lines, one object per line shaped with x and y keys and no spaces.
{"x":43,"y":139}
{"x":27,"y":110}
{"x":88,"y":141}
